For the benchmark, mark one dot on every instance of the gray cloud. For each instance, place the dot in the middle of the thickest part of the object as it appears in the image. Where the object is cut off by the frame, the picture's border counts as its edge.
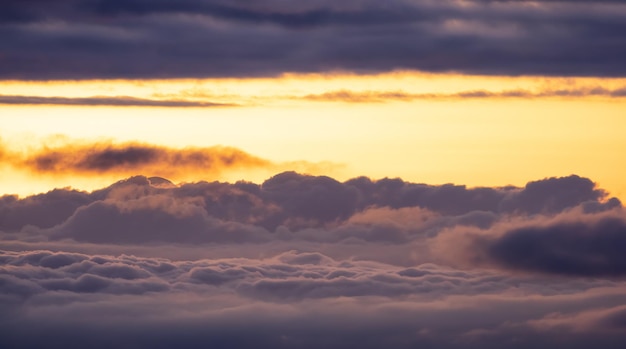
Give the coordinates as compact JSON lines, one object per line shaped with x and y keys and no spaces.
{"x":80,"y":39}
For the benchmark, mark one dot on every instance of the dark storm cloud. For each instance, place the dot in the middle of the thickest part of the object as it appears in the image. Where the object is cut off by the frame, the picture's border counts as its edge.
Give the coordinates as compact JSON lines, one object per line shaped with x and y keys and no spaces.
{"x":120,"y":101}
{"x":79,"y":39}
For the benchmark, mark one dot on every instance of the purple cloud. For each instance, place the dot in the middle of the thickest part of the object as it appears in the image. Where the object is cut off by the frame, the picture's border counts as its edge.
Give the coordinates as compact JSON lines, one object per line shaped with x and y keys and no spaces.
{"x":83,"y":39}
{"x":303,"y":261}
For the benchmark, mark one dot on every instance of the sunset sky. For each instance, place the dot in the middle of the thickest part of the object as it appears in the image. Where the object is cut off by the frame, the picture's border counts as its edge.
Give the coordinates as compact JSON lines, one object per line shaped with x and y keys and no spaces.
{"x":306,"y":174}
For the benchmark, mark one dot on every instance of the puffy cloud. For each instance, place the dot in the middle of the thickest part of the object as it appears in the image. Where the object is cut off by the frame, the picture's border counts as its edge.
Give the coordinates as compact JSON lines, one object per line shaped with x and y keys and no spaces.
{"x":78,"y":39}
{"x":153,"y":218}
{"x":307,"y":197}
{"x":288,"y":206}
{"x":576,"y":247}
{"x":576,"y":243}
{"x":43,"y":210}
{"x":304,"y":261}
{"x":553,"y":195}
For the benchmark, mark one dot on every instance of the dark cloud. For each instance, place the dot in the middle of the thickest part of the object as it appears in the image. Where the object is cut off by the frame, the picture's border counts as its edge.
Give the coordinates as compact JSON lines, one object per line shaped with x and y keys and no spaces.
{"x":121,"y":101}
{"x":553,"y":195}
{"x":43,"y":210}
{"x":550,"y":195}
{"x":80,"y":39}
{"x":130,"y":158}
{"x":581,"y":248}
{"x":308,"y":197}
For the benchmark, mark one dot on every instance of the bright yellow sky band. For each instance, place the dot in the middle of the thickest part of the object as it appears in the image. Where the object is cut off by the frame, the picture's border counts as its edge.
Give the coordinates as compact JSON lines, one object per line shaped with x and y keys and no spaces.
{"x":429,"y":128}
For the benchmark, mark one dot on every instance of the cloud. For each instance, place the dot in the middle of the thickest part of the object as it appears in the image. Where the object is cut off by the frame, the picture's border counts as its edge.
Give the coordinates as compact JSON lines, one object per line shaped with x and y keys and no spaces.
{"x":553,"y":195}
{"x":117,"y":101}
{"x":85,"y":39}
{"x":289,"y":300}
{"x":304,"y":261}
{"x":199,"y":99}
{"x":348,"y":96}
{"x":154,"y":218}
{"x":287,"y":207}
{"x":62,"y":157}
{"x":130,"y":158}
{"x":43,"y":210}
{"x":585,"y":248}
{"x":606,"y":321}
{"x":574,"y":243}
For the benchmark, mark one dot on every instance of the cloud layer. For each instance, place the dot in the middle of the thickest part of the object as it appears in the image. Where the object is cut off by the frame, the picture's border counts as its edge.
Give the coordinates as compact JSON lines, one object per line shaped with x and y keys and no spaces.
{"x":80,"y":39}
{"x":304,"y":261}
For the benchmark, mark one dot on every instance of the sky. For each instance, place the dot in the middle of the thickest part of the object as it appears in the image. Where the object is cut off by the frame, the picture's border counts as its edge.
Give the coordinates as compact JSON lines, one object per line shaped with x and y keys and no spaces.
{"x":289,"y":174}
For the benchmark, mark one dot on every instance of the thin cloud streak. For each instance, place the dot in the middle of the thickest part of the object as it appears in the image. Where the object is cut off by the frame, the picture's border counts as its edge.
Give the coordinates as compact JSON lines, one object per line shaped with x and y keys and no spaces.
{"x":134,"y":157}
{"x":344,"y":95}
{"x":110,"y":101}
{"x":108,"y":159}
{"x":123,"y":159}
{"x":349,"y":96}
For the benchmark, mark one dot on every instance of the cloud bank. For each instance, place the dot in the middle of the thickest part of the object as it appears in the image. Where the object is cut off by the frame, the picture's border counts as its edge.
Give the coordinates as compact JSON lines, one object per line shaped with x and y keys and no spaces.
{"x":303,"y":261}
{"x":87,"y":39}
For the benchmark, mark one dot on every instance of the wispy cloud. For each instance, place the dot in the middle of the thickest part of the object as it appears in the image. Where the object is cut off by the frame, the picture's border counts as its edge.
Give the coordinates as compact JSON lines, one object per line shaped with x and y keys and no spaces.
{"x":68,"y":158}
{"x":349,"y":96}
{"x":115,"y":101}
{"x":198,"y":99}
{"x":131,"y":158}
